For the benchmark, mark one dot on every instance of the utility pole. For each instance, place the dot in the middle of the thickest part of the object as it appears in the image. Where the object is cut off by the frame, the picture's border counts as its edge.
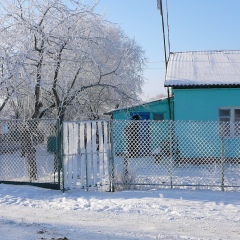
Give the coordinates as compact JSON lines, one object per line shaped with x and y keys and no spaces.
{"x":160,"y":8}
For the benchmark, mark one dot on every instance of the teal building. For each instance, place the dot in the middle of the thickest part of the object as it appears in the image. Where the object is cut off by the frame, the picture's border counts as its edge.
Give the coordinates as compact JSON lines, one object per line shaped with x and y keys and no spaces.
{"x":204,"y":95}
{"x":152,"y":110}
{"x":205,"y":86}
{"x":148,"y":131}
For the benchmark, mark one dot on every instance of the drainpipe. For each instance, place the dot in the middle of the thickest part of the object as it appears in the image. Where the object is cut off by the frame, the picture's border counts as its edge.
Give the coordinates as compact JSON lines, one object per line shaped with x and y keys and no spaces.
{"x":169,"y":104}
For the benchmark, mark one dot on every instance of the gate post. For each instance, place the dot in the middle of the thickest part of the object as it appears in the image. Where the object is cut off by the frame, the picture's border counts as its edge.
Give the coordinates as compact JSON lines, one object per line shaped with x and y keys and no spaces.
{"x":59,"y":149}
{"x":111,"y":155}
{"x":171,"y":151}
{"x":64,"y":149}
{"x":223,"y":163}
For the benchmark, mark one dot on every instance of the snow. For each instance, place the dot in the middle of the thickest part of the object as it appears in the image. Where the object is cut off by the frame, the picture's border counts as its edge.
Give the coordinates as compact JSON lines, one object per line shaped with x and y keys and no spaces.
{"x":28,"y":212}
{"x":206,"y":68}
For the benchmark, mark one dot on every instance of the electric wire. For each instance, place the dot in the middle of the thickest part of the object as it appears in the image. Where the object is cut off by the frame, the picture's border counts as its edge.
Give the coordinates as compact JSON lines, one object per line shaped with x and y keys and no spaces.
{"x":168,"y":28}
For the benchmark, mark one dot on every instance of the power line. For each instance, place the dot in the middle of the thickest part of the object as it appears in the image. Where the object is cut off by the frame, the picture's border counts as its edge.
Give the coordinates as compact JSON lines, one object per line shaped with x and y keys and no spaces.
{"x":154,"y":68}
{"x":159,"y":5}
{"x":162,"y":61}
{"x":168,"y":28}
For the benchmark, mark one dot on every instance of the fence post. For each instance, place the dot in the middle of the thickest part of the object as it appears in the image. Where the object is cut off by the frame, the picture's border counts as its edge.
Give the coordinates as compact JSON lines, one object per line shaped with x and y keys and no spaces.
{"x":111,"y":155}
{"x":59,"y":149}
{"x":64,"y":149}
{"x":86,"y":165}
{"x":86,"y":155}
{"x":171,"y":152}
{"x":126,"y":155}
{"x":223,"y":163}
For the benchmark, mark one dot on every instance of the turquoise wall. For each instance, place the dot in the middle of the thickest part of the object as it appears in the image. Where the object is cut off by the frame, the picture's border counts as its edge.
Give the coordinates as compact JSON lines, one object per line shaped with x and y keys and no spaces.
{"x":160,"y":106}
{"x":199,"y":139}
{"x":152,"y":129}
{"x":202,"y":140}
{"x":203,"y":104}
{"x":196,"y":139}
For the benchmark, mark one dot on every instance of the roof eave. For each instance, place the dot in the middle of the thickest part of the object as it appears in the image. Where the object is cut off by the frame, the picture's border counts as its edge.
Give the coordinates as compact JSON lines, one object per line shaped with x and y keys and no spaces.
{"x":133,"y":106}
{"x":203,"y":86}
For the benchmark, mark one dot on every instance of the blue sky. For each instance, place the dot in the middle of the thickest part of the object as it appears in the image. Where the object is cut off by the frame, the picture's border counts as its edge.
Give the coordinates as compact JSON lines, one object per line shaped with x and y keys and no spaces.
{"x":194,"y":25}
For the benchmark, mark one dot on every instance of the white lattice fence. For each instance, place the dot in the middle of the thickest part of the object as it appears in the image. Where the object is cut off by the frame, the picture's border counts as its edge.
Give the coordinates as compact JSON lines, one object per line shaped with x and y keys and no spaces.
{"x":85,"y":155}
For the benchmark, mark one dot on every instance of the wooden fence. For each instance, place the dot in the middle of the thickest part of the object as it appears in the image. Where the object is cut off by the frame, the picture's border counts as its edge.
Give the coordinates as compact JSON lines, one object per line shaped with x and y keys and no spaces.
{"x":85,"y":155}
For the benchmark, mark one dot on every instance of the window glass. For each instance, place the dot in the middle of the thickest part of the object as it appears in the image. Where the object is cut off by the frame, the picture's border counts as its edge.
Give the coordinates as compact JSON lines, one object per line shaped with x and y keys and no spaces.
{"x":158,"y":116}
{"x":224,"y":128}
{"x":229,"y":122}
{"x":237,"y":121}
{"x":224,"y":115}
{"x":237,"y":115}
{"x":224,"y":118}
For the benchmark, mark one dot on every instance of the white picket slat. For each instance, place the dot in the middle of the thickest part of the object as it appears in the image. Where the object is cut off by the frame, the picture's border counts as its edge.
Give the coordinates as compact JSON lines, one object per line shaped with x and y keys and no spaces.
{"x":101,"y":157}
{"x":65,"y":154}
{"x":82,"y":154}
{"x":89,"y":154}
{"x":94,"y":154}
{"x":105,"y":147}
{"x":74,"y":142}
{"x":70,"y":152}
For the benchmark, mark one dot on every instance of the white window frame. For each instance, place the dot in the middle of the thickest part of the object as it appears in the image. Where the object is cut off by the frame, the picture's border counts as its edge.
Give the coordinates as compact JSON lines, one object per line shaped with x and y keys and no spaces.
{"x":232,"y":132}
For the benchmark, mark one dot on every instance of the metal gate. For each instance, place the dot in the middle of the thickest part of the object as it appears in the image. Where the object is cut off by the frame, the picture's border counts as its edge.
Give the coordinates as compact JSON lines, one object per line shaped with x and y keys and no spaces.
{"x":30,"y":152}
{"x":86,"y":155}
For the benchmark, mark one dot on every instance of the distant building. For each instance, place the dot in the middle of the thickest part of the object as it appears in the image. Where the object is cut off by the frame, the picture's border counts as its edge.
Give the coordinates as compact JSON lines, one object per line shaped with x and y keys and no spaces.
{"x":153,"y":110}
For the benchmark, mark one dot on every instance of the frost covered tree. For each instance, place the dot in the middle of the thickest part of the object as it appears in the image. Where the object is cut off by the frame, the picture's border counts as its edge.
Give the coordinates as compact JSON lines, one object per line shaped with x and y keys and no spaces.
{"x":7,"y":78}
{"x":66,"y":60}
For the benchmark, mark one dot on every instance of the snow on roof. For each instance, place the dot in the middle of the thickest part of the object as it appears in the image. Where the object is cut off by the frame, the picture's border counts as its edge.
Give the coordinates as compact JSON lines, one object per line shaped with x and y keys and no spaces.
{"x":203,"y":68}
{"x":132,"y":106}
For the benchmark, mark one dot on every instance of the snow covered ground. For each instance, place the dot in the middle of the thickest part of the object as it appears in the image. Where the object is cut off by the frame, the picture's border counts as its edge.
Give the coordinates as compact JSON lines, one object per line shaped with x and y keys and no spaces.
{"x":29,"y":213}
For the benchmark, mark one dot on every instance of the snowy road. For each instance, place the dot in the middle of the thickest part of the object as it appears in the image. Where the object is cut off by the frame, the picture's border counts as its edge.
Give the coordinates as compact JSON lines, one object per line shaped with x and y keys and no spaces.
{"x":31,"y":213}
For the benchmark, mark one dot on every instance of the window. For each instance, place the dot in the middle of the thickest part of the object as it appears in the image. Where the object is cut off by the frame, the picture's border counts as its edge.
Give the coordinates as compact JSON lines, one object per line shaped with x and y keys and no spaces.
{"x":237,"y":122}
{"x":158,"y":116}
{"x":229,"y":119}
{"x":141,"y":115}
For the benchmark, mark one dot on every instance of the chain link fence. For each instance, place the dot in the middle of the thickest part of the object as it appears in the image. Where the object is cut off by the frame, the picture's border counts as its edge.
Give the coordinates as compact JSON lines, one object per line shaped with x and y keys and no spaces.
{"x":28,"y":151}
{"x":138,"y":155}
{"x":149,"y":154}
